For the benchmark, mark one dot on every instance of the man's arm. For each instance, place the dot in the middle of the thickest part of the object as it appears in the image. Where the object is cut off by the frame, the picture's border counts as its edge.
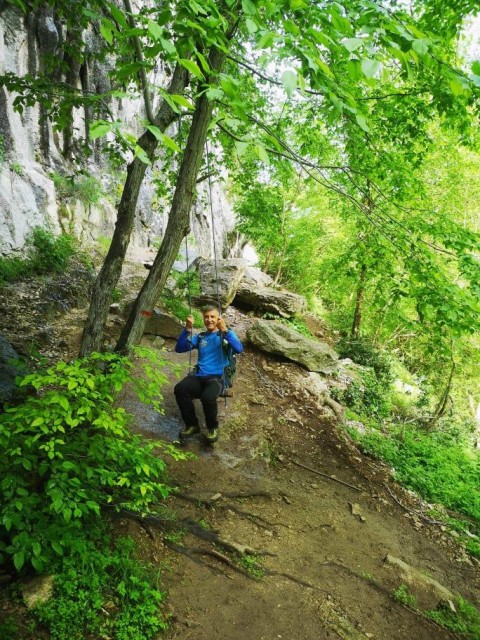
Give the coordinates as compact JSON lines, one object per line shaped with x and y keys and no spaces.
{"x":186,"y":341}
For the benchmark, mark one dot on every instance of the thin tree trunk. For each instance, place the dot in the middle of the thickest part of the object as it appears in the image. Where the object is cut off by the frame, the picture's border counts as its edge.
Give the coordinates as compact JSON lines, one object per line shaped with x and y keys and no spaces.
{"x":357,"y":314}
{"x":442,"y":405}
{"x":178,"y":219}
{"x":109,"y":274}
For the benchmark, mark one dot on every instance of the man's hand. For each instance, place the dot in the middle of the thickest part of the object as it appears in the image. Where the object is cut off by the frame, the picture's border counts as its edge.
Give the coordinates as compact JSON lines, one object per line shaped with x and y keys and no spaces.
{"x":189,"y":323}
{"x":221,"y":326}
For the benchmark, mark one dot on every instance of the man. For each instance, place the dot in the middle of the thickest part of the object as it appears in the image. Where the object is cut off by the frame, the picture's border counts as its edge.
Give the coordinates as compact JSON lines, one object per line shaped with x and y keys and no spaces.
{"x":205,"y":382}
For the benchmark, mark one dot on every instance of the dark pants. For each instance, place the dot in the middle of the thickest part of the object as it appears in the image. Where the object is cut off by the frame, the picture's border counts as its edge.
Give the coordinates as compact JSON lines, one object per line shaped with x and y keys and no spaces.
{"x":207,"y":389}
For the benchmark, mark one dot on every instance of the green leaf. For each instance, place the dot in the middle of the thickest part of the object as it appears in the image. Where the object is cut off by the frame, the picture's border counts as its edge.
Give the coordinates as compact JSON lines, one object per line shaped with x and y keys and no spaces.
{"x":420,"y":46}
{"x":362,"y":122}
{"x":251,"y":26}
{"x":241,"y":147}
{"x":289,"y":81}
{"x":262,"y":153}
{"x":106,"y":30}
{"x":170,"y":143}
{"x":266,"y":40}
{"x":67,"y":514}
{"x":354,"y":69}
{"x":192,"y":67}
{"x":57,"y":547}
{"x":36,"y":548}
{"x":249,"y":8}
{"x":141,"y":155}
{"x":155,"y":30}
{"x":19,"y":560}
{"x":370,"y":67}
{"x":98,"y":129}
{"x":168,"y":46}
{"x":352,"y":44}
{"x":118,"y":15}
{"x":37,"y":421}
{"x":182,"y":101}
{"x":476,"y":67}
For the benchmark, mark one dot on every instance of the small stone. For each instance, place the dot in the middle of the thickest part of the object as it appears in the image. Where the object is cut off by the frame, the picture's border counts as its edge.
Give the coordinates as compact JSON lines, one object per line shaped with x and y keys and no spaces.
{"x":285,"y":499}
{"x":114,"y":309}
{"x":217,"y":496}
{"x":37,"y":590}
{"x":268,"y":533}
{"x":314,"y":486}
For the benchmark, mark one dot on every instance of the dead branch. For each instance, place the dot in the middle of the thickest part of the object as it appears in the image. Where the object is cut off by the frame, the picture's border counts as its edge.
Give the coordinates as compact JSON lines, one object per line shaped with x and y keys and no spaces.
{"x":324,"y":475}
{"x":412,"y":511}
{"x":302,"y":583}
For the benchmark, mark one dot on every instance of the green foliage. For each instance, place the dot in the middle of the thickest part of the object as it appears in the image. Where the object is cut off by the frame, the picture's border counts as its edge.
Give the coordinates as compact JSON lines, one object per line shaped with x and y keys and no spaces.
{"x":295,"y":323}
{"x":252,"y":564}
{"x":81,"y":187}
{"x":67,"y":453}
{"x":186,"y":286}
{"x":465,"y":621}
{"x":403,"y":595}
{"x":45,"y":253}
{"x":362,"y":351}
{"x":437,"y":465}
{"x":17,"y":168}
{"x":103,"y":591}
{"x":367,"y":396}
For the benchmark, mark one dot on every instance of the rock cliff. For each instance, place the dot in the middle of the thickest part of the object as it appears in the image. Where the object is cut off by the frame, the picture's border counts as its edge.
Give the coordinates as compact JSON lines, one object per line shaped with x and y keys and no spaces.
{"x":41,"y":180}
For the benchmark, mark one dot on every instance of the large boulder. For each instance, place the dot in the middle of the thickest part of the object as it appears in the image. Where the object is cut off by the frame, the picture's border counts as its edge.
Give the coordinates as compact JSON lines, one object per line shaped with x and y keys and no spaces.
{"x":9,"y":370}
{"x":254,"y":276}
{"x":278,"y":338}
{"x":265,"y":299}
{"x":159,"y":323}
{"x":230,"y":273}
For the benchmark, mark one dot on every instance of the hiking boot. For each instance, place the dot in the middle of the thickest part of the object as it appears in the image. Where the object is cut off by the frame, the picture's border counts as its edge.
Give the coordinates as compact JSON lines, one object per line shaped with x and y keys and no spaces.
{"x":186,"y":432}
{"x":212,"y":435}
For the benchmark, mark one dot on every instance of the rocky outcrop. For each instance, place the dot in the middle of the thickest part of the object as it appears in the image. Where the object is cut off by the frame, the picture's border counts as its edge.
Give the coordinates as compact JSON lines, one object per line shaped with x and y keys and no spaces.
{"x":267,"y":300}
{"x":220,"y":282}
{"x":277,"y":338}
{"x":34,"y":158}
{"x":9,"y":370}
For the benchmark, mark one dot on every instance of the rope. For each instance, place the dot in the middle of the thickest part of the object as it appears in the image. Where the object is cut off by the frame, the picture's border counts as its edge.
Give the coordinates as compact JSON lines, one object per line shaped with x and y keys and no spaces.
{"x":215,"y":261}
{"x":189,"y":294}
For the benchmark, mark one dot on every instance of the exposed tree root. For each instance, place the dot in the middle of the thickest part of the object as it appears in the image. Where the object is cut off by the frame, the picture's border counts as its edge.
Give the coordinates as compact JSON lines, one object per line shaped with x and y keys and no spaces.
{"x":192,"y":551}
{"x":302,"y":583}
{"x":216,"y":504}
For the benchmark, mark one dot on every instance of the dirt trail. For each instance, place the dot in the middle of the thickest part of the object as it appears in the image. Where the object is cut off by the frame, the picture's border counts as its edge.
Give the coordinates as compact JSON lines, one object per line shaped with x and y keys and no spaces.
{"x":326,"y":576}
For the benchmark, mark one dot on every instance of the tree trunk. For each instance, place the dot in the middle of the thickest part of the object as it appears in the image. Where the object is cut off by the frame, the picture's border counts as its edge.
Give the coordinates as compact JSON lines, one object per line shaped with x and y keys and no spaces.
{"x":178,"y":219}
{"x":357,"y":314}
{"x":112,"y":267}
{"x":442,"y":405}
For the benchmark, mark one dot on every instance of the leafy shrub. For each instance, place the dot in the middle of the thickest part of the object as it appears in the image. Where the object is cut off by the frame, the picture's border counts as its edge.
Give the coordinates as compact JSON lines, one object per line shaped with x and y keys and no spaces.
{"x":81,"y":187}
{"x":465,"y":621}
{"x":103,"y":592}
{"x":403,"y":595}
{"x":294,"y":323}
{"x":366,"y":396}
{"x":363,"y":352}
{"x":435,"y":464}
{"x":45,"y":253}
{"x":67,"y":453}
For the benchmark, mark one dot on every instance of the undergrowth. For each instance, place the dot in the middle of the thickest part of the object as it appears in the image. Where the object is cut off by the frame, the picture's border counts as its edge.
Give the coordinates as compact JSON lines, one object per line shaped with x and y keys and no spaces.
{"x":436,"y":464}
{"x":44,"y":253}
{"x":178,"y":302}
{"x":103,"y":591}
{"x":69,"y":458}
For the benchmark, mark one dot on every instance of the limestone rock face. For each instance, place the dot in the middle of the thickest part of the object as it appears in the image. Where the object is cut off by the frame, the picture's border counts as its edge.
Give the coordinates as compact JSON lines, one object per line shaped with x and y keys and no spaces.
{"x":275,"y":337}
{"x":230,"y":274}
{"x":34,"y":156}
{"x":265,"y":299}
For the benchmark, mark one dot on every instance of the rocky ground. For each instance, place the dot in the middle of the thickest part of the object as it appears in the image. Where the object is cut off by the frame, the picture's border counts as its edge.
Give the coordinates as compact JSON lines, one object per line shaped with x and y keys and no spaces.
{"x":316,"y":555}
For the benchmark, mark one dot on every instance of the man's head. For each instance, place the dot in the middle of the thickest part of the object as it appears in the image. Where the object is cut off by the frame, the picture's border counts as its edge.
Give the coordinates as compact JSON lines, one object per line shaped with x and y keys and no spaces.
{"x":210,"y":318}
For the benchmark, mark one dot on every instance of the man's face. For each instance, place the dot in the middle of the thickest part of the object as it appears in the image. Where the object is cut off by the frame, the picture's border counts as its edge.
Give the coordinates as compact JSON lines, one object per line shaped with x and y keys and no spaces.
{"x":210,"y":319}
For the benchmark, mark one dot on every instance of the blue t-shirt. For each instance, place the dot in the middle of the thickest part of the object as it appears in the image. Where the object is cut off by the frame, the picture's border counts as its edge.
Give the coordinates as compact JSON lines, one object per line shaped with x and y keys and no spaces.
{"x":212,"y":358}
